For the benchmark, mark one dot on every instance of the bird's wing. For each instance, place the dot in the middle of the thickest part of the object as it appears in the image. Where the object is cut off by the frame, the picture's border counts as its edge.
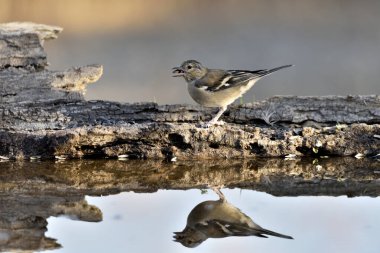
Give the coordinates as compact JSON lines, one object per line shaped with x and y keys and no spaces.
{"x":234,"y":229}
{"x":217,"y":79}
{"x":213,"y":79}
{"x":237,"y":229}
{"x":242,"y":77}
{"x":221,"y":228}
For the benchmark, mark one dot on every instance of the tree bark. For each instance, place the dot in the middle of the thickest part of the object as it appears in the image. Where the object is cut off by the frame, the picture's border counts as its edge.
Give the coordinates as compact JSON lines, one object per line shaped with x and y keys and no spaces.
{"x":43,"y":113}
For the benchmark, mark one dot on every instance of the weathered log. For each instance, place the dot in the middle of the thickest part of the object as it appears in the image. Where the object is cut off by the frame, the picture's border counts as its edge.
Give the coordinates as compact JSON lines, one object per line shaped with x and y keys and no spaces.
{"x":21,"y":44}
{"x":43,"y":113}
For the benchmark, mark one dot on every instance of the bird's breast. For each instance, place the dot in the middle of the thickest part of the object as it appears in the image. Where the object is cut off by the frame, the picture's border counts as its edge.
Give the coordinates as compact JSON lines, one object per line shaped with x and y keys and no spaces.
{"x":217,"y":98}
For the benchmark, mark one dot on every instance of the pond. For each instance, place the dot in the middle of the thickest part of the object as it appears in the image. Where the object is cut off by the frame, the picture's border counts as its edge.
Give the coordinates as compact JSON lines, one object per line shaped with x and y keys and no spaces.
{"x":325,"y":205}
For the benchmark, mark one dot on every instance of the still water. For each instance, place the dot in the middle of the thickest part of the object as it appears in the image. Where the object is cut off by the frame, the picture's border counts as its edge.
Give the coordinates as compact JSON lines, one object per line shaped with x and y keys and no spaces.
{"x":135,"y":206}
{"x":135,"y":222}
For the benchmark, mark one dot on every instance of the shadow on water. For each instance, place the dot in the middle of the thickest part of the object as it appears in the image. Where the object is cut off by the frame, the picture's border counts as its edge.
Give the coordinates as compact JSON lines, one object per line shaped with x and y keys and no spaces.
{"x":31,"y":192}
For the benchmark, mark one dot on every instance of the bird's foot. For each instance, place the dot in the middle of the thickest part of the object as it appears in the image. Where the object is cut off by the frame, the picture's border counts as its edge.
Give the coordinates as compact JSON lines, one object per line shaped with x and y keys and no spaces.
{"x":219,"y":123}
{"x":211,"y":123}
{"x":203,"y":125}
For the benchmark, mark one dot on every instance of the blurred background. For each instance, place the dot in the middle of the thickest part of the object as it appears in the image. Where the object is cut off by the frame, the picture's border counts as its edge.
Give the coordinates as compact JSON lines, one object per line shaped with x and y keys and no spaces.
{"x":334,"y":45}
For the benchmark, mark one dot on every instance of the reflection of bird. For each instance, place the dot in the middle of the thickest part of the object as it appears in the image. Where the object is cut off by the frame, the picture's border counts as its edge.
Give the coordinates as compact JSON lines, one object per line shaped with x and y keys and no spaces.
{"x":216,"y":87}
{"x":218,"y":219}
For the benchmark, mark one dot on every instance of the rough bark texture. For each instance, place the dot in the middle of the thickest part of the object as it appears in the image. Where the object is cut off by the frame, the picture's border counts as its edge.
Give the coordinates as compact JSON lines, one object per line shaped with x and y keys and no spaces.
{"x":21,"y":44}
{"x":43,"y":113}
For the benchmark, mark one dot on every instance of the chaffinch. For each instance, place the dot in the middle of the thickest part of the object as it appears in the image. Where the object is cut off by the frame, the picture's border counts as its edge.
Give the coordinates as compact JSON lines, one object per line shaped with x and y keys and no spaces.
{"x":218,"y":219}
{"x":217,"y":87}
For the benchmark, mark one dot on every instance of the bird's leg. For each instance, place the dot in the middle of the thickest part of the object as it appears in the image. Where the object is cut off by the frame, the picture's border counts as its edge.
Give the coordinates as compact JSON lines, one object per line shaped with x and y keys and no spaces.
{"x":214,"y":120}
{"x":220,"y":194}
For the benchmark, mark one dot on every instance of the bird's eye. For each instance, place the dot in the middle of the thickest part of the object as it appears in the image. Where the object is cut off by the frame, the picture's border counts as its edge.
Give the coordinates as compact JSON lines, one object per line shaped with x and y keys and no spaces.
{"x":189,"y":67}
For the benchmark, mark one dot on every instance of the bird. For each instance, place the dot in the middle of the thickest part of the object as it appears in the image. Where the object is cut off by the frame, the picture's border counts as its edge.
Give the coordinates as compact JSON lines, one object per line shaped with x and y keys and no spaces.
{"x":218,"y":87}
{"x":219,"y":219}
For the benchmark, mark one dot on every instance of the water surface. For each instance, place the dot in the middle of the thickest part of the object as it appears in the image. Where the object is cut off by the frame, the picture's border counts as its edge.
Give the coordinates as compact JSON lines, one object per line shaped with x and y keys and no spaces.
{"x":329,"y":205}
{"x":135,"y":222}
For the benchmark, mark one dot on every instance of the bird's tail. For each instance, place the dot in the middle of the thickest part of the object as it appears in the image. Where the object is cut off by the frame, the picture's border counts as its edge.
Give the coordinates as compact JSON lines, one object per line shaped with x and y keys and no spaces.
{"x":270,"y":71}
{"x":269,"y":232}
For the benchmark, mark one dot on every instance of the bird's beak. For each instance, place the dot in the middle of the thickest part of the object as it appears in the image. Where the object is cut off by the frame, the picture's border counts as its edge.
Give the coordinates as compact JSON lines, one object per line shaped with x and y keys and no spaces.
{"x":178,"y":72}
{"x":177,"y":236}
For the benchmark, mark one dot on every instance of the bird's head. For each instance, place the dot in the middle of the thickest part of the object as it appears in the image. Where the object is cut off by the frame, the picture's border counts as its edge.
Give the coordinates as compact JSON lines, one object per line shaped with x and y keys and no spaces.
{"x":190,"y":70}
{"x":189,"y":237}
